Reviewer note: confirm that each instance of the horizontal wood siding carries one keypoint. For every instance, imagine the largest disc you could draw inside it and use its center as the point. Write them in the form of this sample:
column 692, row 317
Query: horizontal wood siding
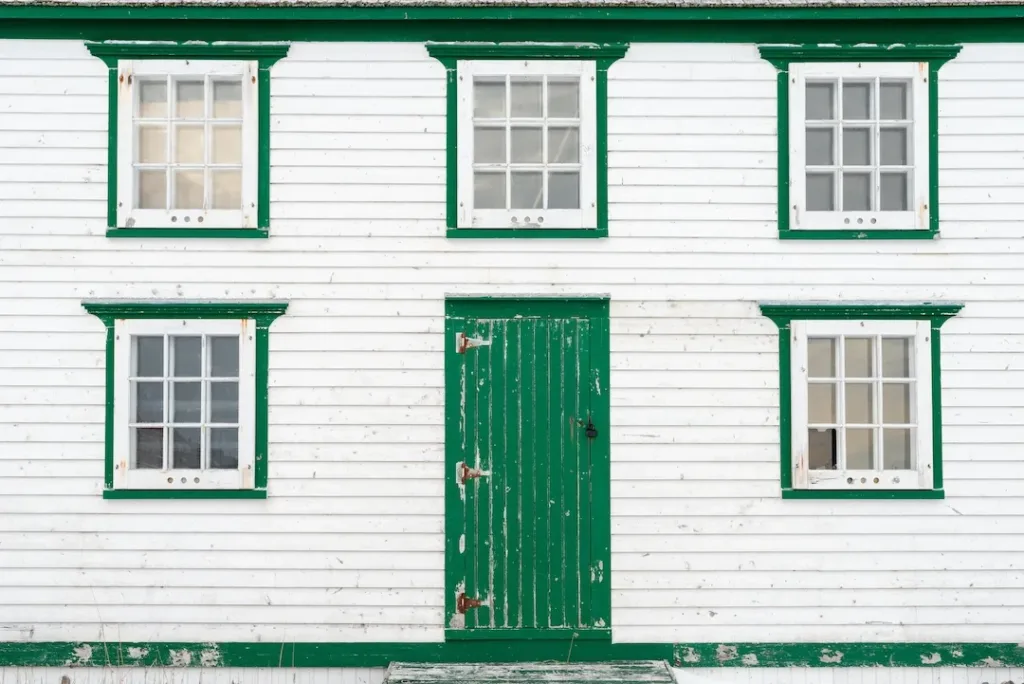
column 349, row 545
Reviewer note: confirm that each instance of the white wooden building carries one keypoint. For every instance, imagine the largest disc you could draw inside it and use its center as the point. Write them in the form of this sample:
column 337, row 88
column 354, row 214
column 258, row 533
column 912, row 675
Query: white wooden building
column 335, row 335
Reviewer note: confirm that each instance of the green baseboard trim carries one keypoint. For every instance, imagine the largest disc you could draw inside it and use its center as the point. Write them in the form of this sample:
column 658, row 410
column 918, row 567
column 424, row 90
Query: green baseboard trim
column 278, row 654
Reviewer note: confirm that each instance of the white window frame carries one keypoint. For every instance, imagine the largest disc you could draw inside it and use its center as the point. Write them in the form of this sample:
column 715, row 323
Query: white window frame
column 917, row 217
column 583, row 218
column 921, row 407
column 127, row 477
column 128, row 215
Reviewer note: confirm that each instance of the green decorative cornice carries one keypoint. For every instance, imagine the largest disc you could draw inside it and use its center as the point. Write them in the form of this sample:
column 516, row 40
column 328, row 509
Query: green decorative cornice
column 109, row 310
column 454, row 51
column 782, row 55
column 267, row 54
column 784, row 312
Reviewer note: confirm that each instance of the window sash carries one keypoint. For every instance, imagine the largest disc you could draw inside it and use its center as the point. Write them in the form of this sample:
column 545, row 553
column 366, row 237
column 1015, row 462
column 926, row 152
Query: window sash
column 917, row 216
column 586, row 215
column 128, row 215
column 921, row 403
column 127, row 477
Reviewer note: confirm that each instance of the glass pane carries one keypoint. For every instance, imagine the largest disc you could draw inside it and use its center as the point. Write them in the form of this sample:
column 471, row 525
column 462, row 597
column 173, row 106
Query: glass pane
column 819, row 101
column 821, row 357
column 187, row 402
column 149, row 357
column 856, row 192
column 895, row 403
column 859, row 351
column 152, row 99
column 527, row 190
column 186, row 449
column 856, row 146
column 227, row 145
column 149, row 448
column 564, row 145
column 894, row 147
column 896, row 449
column 227, row 189
column 489, row 145
column 227, row 99
column 564, row 191
column 188, row 190
column 527, row 98
column 224, row 402
column 224, row 448
column 894, row 100
column 896, row 357
column 895, row 195
column 821, row 403
column 189, row 103
column 563, row 100
column 488, row 99
column 860, row 449
column 223, row 357
column 188, row 141
column 188, row 354
column 859, row 403
column 820, row 147
column 152, row 189
column 527, row 145
column 489, row 190
column 152, row 145
column 149, row 402
column 821, row 191
column 857, row 101
column 821, row 448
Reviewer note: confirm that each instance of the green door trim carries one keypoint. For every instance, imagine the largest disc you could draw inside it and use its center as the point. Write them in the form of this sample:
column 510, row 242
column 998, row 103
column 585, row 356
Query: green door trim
column 596, row 310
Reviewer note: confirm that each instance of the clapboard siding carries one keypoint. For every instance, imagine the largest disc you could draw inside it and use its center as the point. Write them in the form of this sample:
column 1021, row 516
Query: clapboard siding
column 349, row 546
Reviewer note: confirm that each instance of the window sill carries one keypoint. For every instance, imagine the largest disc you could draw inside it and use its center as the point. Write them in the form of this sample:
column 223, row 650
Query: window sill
column 512, row 636
column 863, row 494
column 528, row 233
column 184, row 494
column 206, row 233
column 807, row 234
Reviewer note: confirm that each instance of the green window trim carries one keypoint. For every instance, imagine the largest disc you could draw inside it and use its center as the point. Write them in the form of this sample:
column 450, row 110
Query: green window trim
column 781, row 56
column 604, row 55
column 784, row 313
column 266, row 55
column 264, row 313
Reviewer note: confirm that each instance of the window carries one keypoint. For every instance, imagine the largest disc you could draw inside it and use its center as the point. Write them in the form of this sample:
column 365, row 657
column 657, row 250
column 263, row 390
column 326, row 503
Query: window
column 861, row 381
column 856, row 158
column 186, row 398
column 189, row 129
column 529, row 155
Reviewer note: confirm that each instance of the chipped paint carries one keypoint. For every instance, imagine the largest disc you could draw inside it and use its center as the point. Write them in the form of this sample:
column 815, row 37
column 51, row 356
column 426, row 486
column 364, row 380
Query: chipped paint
column 725, row 653
column 931, row 659
column 83, row 655
column 137, row 653
column 749, row 659
column 180, row 658
column 210, row 657
column 831, row 656
column 689, row 655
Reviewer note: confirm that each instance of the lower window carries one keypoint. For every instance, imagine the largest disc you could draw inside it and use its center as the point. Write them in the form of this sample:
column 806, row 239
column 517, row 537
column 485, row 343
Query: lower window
column 862, row 404
column 185, row 406
column 186, row 398
column 860, row 409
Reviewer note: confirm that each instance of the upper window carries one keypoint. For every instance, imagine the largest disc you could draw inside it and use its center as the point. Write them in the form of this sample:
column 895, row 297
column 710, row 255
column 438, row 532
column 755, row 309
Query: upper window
column 527, row 145
column 528, row 155
column 186, row 398
column 190, row 128
column 187, row 139
column 858, row 155
column 860, row 149
column 860, row 411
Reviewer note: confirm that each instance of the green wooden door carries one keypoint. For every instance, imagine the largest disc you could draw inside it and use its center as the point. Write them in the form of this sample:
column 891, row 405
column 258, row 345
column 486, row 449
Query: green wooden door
column 527, row 452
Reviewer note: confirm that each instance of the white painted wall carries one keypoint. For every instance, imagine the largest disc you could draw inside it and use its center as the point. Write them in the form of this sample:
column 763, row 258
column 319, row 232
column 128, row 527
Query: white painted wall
column 349, row 545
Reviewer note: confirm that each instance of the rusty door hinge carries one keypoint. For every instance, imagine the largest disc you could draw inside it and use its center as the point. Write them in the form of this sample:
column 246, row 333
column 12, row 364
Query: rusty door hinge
column 464, row 603
column 464, row 342
column 467, row 473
